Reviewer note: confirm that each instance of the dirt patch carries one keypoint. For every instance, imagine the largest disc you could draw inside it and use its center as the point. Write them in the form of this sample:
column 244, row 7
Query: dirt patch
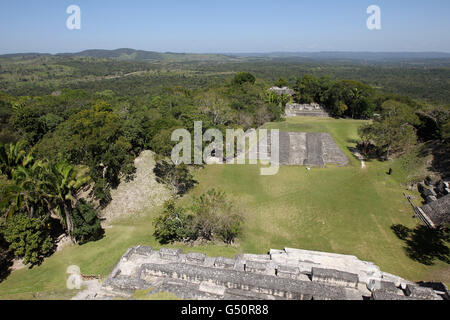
column 17, row 265
column 136, row 196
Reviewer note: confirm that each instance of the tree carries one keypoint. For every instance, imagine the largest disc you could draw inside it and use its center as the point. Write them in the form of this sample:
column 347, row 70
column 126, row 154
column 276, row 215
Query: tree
column 307, row 89
column 281, row 83
column 216, row 108
column 6, row 255
column 13, row 155
column 29, row 238
column 243, row 77
column 214, row 215
column 93, row 137
column 394, row 130
column 27, row 120
column 86, row 224
column 31, row 190
column 211, row 216
column 66, row 181
column 178, row 178
column 173, row 224
column 432, row 122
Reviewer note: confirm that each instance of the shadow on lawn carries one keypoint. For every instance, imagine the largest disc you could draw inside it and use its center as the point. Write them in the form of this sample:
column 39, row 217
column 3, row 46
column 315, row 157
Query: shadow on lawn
column 6, row 260
column 424, row 245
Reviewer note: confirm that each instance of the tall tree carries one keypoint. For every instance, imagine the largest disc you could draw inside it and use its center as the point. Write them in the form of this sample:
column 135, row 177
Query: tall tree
column 66, row 182
column 13, row 155
column 394, row 130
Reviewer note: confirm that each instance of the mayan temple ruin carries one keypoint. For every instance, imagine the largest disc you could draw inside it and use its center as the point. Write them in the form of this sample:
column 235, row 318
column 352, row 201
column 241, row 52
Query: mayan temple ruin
column 314, row 149
column 289, row 274
column 299, row 110
column 305, row 110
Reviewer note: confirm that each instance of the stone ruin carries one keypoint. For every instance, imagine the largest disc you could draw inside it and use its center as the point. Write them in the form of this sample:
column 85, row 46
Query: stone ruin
column 289, row 274
column 306, row 149
column 305, row 110
column 285, row 90
column 431, row 192
column 436, row 211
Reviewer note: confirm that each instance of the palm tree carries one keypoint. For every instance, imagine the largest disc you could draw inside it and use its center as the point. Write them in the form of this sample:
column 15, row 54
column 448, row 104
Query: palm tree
column 31, row 189
column 13, row 155
column 66, row 182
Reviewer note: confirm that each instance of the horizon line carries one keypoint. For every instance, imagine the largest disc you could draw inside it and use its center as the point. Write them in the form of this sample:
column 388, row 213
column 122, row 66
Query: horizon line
column 231, row 52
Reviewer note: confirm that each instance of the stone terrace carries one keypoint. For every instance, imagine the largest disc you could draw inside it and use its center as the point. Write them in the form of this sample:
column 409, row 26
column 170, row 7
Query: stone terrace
column 290, row 274
column 306, row 149
column 305, row 110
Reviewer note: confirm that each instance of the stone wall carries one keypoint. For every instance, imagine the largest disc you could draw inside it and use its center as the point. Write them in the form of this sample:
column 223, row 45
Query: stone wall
column 291, row 274
column 305, row 110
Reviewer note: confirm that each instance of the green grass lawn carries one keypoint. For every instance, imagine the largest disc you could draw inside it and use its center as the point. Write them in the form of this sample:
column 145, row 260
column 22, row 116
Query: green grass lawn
column 346, row 210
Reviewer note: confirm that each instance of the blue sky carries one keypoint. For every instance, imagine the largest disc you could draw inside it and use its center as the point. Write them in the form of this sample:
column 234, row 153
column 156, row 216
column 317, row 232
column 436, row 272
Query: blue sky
column 225, row 26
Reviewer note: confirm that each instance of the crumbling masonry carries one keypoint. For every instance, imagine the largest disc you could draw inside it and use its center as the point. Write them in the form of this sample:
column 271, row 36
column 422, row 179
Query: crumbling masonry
column 282, row 274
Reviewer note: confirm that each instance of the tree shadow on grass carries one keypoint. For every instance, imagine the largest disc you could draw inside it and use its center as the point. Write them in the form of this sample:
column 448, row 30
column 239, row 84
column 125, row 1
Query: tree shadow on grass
column 6, row 259
column 423, row 244
column 5, row 266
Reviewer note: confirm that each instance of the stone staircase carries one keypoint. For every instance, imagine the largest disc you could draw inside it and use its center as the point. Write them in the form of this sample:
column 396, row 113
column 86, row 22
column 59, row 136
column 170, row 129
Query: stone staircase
column 305, row 110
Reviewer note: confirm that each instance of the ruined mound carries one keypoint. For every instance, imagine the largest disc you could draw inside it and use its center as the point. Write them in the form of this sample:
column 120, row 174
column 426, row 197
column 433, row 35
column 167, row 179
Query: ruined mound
column 143, row 193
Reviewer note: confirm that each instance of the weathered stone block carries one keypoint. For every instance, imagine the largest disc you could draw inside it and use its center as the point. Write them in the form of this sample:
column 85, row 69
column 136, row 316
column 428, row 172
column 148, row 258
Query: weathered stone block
column 255, row 257
column 170, row 254
column 382, row 285
column 287, row 272
column 197, row 258
column 421, row 292
column 224, row 263
column 143, row 250
column 255, row 266
column 335, row 277
column 387, row 295
column 128, row 254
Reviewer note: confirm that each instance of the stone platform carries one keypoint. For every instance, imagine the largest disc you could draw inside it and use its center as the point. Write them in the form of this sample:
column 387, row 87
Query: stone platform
column 290, row 274
column 305, row 110
column 306, row 149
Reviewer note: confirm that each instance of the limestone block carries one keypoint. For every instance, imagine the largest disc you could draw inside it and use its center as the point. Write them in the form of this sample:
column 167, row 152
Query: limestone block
column 197, row 258
column 255, row 266
column 386, row 295
column 169, row 254
column 335, row 277
column 382, row 285
column 421, row 292
column 224, row 263
column 143, row 250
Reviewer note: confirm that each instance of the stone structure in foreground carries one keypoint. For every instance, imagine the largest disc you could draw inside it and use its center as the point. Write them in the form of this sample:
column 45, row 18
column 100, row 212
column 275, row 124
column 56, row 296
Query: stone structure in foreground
column 282, row 274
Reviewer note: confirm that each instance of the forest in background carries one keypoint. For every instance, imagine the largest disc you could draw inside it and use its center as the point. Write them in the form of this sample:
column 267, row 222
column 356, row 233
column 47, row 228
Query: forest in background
column 419, row 76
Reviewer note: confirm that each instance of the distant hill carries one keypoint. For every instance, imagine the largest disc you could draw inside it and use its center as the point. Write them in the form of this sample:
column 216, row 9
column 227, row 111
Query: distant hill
column 127, row 54
column 141, row 55
column 342, row 55
column 24, row 55
column 124, row 54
